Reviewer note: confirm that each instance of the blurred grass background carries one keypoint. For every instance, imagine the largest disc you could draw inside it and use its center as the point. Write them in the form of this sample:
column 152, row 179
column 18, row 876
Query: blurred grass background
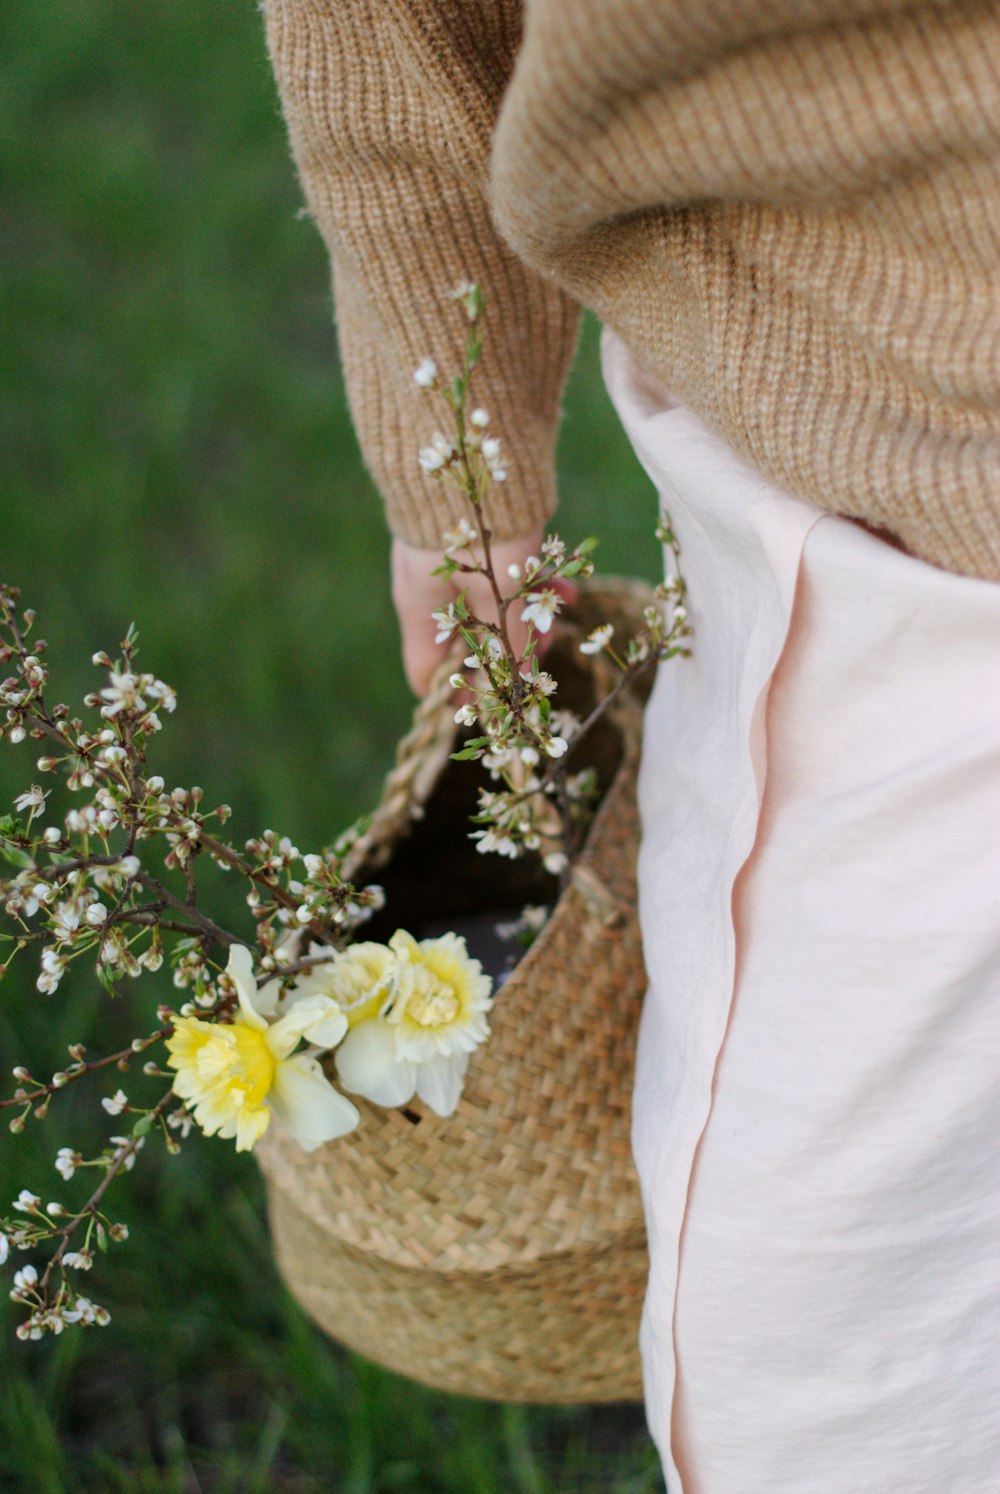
column 176, row 451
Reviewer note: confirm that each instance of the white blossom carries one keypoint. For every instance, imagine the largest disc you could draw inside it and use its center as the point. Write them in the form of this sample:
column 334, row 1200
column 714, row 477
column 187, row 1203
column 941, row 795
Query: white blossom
column 53, row 969
column 78, row 1260
column 116, row 1103
column 164, row 694
column 121, row 695
column 123, row 1154
column 597, row 640
column 437, row 454
column 541, row 609
column 66, row 920
column 493, row 458
column 24, row 1281
column 425, row 373
column 32, row 800
column 26, row 1201
column 460, row 537
column 447, row 621
column 67, row 1161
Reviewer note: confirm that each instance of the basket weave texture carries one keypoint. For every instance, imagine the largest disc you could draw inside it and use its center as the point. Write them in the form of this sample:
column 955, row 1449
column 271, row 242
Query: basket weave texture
column 499, row 1252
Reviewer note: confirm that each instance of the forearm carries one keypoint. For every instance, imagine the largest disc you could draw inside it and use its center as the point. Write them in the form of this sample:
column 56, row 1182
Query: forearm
column 390, row 110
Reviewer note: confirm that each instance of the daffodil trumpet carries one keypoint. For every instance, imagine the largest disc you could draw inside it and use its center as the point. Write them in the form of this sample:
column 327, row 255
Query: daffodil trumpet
column 235, row 1075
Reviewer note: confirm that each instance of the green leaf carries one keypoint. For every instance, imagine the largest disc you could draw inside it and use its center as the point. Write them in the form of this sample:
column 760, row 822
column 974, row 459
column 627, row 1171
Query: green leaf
column 466, row 754
column 106, row 979
column 14, row 857
column 143, row 1126
column 9, row 825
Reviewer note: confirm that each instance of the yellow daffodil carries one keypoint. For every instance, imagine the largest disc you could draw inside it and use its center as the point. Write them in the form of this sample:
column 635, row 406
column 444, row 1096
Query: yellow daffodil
column 420, row 1041
column 234, row 1075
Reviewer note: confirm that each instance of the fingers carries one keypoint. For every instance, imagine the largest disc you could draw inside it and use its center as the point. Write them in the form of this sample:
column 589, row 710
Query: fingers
column 416, row 592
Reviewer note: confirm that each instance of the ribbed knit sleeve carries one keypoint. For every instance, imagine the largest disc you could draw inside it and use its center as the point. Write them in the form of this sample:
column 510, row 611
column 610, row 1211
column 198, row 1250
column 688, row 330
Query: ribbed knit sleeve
column 390, row 110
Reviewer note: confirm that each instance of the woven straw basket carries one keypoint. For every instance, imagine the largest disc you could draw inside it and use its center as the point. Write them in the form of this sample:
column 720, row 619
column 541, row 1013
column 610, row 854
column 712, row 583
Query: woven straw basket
column 499, row 1252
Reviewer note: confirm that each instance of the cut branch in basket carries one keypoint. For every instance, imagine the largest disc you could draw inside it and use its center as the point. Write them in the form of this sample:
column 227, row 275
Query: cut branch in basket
column 107, row 877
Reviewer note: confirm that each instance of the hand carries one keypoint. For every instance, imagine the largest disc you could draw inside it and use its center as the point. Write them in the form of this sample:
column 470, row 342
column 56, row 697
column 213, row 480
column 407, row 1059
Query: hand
column 416, row 593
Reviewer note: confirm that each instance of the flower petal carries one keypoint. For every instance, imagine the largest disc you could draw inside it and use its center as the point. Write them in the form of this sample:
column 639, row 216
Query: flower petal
column 307, row 1104
column 440, row 1080
column 317, row 1018
column 252, row 1002
column 368, row 1064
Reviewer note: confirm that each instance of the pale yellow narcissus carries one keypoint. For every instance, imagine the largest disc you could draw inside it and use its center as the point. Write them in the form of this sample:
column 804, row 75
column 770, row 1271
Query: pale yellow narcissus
column 235, row 1075
column 433, row 1018
column 358, row 979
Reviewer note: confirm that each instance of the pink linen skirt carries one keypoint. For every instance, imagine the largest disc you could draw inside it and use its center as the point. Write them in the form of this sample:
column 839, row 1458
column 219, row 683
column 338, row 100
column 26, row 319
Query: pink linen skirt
column 817, row 1103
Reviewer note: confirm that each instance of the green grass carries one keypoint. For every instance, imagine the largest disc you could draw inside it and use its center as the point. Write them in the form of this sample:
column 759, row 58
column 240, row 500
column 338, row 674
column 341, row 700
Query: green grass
column 177, row 452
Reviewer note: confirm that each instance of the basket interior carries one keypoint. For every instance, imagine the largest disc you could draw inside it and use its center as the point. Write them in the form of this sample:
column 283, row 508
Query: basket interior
column 436, row 880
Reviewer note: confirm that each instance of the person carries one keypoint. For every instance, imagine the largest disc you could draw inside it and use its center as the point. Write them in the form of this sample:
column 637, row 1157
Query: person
column 787, row 215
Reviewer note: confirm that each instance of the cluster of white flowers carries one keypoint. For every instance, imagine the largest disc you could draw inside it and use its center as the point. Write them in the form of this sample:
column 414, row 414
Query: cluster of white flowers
column 130, row 692
column 439, row 455
column 53, row 1317
column 393, row 1022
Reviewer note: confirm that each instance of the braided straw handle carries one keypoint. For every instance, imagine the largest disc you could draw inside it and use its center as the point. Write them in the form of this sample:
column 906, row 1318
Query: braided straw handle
column 420, row 756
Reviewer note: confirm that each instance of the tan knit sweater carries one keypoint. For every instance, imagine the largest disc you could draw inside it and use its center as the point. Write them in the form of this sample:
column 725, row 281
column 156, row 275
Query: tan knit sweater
column 789, row 209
